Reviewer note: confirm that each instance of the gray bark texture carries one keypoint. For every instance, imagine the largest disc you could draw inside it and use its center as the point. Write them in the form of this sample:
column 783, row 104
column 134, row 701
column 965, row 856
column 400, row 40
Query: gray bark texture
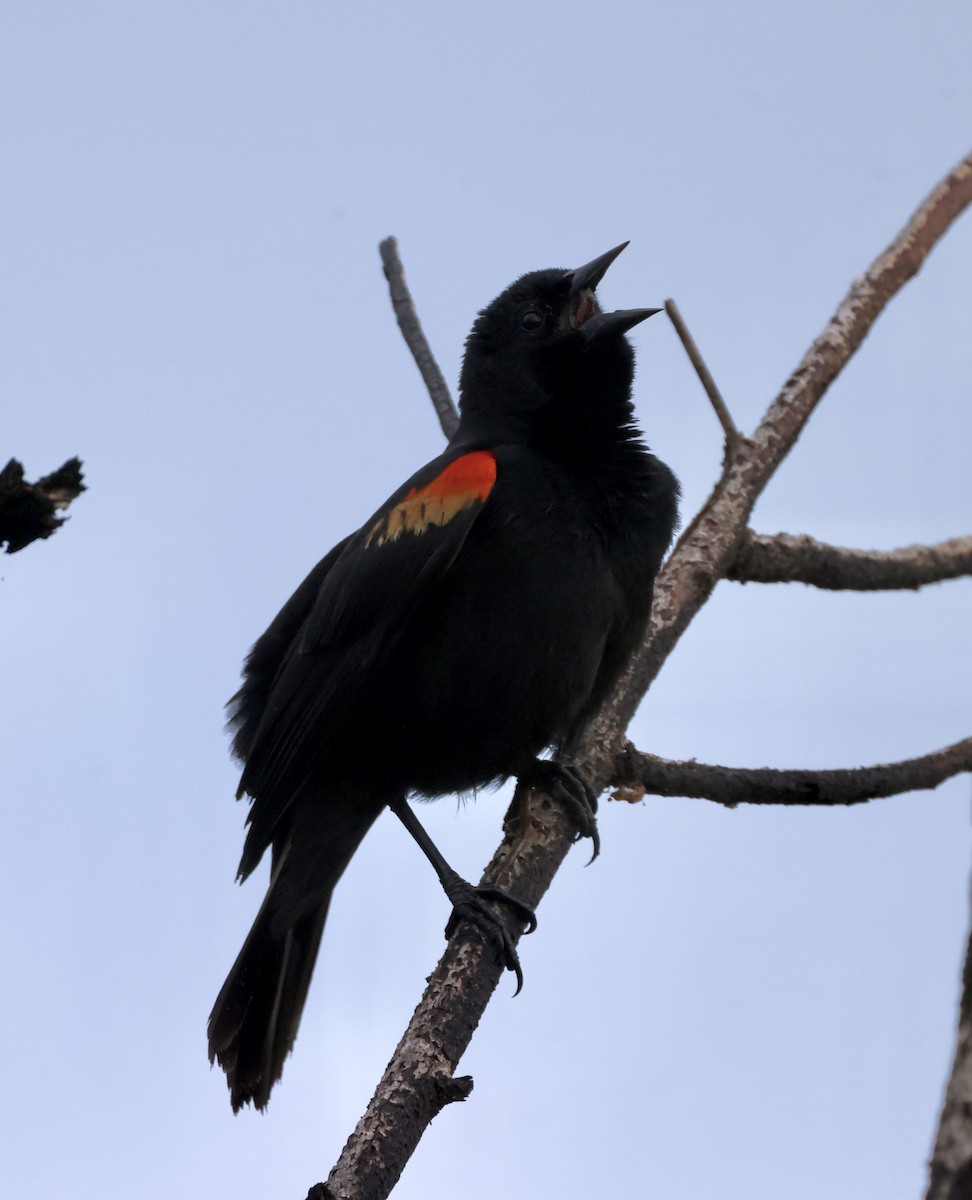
column 951, row 1165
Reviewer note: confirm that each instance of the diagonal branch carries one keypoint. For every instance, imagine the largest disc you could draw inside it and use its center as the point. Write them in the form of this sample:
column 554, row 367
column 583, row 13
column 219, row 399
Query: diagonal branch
column 415, row 339
column 637, row 773
column 950, row 1169
column 711, row 541
column 732, row 434
column 419, row 1081
column 416, row 1085
column 784, row 558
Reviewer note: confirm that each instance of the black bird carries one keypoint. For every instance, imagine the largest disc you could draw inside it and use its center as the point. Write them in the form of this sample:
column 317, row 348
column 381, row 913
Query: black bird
column 475, row 621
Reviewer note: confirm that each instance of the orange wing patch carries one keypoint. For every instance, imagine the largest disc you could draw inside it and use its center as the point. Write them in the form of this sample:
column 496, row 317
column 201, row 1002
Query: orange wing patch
column 465, row 482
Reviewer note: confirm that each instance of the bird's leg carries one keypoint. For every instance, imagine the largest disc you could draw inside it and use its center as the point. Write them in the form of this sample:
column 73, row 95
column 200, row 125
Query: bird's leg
column 469, row 903
column 571, row 789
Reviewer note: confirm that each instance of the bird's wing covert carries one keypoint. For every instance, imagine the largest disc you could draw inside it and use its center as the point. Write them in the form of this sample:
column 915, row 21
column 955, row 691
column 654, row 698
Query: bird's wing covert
column 464, row 484
column 401, row 550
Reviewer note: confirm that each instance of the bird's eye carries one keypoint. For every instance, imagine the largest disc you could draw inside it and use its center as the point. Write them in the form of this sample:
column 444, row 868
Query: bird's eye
column 532, row 321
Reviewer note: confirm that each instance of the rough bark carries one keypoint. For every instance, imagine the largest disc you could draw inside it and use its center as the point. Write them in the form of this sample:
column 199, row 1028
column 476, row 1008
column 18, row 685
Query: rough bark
column 950, row 1169
column 637, row 774
column 415, row 339
column 785, row 558
column 711, row 541
column 418, row 1082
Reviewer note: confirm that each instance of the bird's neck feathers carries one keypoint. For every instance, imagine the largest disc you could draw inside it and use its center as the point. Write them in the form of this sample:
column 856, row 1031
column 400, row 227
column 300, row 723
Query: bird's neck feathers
column 578, row 406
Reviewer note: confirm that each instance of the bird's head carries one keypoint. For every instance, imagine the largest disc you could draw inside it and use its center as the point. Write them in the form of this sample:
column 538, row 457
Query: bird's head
column 544, row 349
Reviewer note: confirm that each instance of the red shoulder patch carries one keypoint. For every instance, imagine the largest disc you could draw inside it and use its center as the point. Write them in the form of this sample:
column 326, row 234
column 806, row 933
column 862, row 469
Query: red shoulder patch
column 466, row 481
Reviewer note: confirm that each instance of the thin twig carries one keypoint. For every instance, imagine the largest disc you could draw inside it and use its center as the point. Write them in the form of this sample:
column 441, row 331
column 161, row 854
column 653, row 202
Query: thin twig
column 415, row 339
column 637, row 773
column 785, row 558
column 705, row 375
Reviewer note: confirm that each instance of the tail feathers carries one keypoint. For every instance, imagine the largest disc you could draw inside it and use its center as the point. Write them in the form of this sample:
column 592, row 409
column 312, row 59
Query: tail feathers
column 254, row 1021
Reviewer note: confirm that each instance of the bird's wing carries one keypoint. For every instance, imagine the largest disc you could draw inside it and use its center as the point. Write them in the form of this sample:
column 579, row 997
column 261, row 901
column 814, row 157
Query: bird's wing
column 343, row 620
column 269, row 654
column 408, row 544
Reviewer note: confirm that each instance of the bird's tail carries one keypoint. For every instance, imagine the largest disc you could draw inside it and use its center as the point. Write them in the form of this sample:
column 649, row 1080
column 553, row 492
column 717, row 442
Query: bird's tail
column 256, row 1015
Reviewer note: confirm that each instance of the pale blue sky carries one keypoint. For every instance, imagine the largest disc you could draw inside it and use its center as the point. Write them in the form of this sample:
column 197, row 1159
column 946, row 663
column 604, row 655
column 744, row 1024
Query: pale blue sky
column 751, row 1004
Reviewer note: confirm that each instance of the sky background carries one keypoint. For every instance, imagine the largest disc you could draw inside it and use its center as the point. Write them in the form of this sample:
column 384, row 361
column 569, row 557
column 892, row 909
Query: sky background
column 748, row 1004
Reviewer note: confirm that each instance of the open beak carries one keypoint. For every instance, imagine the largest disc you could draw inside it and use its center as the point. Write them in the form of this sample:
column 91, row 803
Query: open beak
column 582, row 307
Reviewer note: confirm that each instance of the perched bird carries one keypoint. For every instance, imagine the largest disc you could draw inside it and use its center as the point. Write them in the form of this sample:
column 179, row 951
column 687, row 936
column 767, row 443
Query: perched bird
column 477, row 620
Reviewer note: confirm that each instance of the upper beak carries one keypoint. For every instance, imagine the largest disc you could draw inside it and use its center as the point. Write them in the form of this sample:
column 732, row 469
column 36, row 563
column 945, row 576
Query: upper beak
column 582, row 307
column 587, row 278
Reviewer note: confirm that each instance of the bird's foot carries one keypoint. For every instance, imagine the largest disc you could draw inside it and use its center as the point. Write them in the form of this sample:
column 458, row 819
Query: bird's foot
column 572, row 790
column 469, row 903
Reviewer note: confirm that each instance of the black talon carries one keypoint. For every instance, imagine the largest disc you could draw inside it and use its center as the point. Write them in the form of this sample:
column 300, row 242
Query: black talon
column 469, row 903
column 573, row 791
column 523, row 912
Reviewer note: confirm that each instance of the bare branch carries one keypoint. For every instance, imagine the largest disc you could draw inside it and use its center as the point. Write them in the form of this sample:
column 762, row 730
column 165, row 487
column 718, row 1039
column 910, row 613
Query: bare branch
column 418, row 1081
column 784, row 558
column 415, row 339
column 705, row 375
column 950, row 1169
column 711, row 541
column 27, row 509
column 637, row 773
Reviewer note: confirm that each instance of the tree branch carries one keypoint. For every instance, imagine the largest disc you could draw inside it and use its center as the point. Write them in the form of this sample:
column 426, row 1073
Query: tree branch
column 27, row 509
column 527, row 860
column 705, row 376
column 415, row 339
column 711, row 541
column 783, row 558
column 950, row 1169
column 637, row 773
column 418, row 1082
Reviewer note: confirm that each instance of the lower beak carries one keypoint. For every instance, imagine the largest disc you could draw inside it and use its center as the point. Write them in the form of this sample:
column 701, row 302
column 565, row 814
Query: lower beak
column 613, row 324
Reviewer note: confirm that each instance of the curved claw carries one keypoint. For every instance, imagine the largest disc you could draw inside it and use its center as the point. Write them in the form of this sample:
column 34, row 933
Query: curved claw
column 469, row 903
column 573, row 791
column 523, row 911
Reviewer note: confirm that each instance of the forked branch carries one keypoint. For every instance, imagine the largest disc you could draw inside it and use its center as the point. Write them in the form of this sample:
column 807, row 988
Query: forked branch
column 711, row 541
column 419, row 1080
